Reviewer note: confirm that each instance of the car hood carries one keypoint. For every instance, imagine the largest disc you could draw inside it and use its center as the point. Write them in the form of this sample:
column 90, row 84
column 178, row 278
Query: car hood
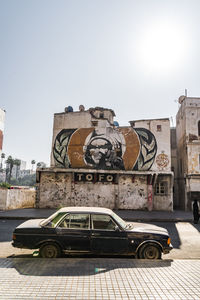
column 148, row 228
column 33, row 223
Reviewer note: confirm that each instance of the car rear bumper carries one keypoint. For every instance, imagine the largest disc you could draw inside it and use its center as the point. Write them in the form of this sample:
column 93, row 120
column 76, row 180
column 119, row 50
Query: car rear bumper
column 18, row 245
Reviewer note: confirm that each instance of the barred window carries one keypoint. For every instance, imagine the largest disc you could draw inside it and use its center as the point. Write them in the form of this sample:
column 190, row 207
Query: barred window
column 161, row 188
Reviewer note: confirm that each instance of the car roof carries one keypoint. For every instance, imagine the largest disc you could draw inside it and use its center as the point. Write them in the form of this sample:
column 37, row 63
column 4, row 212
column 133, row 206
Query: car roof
column 86, row 209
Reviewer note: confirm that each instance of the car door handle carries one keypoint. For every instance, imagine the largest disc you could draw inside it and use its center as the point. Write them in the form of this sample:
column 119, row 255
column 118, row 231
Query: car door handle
column 96, row 234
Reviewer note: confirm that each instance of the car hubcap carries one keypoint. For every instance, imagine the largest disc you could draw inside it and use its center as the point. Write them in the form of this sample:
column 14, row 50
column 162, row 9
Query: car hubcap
column 151, row 253
column 50, row 252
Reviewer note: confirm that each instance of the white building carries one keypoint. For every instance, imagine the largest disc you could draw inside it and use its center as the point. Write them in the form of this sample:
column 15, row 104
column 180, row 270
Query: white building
column 188, row 150
column 94, row 162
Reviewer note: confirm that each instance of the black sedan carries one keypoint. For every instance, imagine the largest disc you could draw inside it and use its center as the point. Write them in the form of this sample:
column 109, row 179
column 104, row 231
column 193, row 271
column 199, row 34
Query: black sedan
column 91, row 230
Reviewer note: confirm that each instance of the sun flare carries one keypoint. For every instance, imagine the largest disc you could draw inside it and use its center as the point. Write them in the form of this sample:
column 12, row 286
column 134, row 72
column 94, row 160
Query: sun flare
column 163, row 47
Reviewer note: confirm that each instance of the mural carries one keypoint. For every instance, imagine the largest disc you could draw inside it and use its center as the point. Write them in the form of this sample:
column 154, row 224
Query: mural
column 162, row 160
column 105, row 149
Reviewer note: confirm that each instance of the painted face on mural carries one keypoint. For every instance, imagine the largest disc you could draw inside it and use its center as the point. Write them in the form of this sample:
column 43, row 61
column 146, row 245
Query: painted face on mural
column 98, row 151
column 101, row 154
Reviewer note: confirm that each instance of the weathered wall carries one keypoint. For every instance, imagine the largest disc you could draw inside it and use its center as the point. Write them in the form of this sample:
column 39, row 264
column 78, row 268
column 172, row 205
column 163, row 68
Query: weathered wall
column 164, row 202
column 174, row 167
column 130, row 191
column 89, row 141
column 3, row 198
column 16, row 198
column 93, row 118
column 160, row 128
column 55, row 189
column 188, row 148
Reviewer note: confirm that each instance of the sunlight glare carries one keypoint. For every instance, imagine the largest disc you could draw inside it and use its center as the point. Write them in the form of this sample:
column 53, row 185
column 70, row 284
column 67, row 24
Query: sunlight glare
column 163, row 47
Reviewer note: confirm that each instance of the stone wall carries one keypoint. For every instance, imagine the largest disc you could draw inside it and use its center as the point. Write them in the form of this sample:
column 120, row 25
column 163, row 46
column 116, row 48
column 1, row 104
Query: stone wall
column 16, row 198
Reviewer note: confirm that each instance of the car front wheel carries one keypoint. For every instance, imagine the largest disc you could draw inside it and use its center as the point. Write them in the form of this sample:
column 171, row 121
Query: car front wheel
column 49, row 251
column 149, row 252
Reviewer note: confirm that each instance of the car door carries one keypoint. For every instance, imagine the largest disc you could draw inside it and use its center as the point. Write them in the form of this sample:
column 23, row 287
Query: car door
column 106, row 236
column 73, row 232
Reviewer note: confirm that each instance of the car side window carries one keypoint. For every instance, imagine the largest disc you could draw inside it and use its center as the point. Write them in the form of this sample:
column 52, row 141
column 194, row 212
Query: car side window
column 76, row 221
column 103, row 222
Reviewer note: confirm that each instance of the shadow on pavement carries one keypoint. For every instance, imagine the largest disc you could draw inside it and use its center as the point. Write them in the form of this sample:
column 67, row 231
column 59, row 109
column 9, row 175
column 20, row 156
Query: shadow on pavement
column 6, row 229
column 77, row 266
column 197, row 226
column 173, row 232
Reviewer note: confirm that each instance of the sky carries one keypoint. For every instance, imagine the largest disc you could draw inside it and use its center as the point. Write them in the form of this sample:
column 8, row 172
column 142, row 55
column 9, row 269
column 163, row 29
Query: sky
column 135, row 57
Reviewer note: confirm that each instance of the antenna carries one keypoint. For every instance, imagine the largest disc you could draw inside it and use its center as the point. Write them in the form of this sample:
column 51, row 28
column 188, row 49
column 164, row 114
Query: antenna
column 172, row 121
column 185, row 92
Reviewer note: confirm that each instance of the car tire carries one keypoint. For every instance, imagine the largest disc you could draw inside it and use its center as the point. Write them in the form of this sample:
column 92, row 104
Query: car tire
column 49, row 250
column 149, row 251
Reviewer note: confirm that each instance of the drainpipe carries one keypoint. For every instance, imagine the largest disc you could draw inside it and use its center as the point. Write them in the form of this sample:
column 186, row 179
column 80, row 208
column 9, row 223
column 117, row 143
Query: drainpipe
column 149, row 192
column 151, row 181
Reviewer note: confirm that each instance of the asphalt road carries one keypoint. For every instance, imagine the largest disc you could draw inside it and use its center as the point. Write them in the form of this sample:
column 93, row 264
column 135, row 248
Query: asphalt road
column 185, row 239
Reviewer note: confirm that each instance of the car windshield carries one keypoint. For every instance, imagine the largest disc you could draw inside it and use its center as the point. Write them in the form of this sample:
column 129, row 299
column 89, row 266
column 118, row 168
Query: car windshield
column 120, row 221
column 53, row 219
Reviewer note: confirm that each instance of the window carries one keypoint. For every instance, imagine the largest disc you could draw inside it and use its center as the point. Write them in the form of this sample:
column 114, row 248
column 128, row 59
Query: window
column 76, row 221
column 52, row 222
column 101, row 115
column 161, row 188
column 199, row 128
column 103, row 222
column 159, row 128
column 94, row 123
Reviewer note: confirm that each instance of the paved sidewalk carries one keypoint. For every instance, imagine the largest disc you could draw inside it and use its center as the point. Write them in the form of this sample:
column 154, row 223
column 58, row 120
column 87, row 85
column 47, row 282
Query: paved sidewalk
column 129, row 215
column 99, row 279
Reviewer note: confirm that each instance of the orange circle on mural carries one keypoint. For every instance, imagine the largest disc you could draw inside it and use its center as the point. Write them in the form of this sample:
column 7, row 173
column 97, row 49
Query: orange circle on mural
column 75, row 147
column 132, row 151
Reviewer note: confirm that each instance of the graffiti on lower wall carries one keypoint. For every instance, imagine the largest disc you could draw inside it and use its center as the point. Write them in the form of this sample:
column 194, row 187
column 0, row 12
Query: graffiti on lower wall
column 111, row 149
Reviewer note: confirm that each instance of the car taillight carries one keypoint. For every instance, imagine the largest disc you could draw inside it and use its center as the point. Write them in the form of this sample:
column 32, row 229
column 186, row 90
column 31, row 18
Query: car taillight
column 14, row 237
column 168, row 241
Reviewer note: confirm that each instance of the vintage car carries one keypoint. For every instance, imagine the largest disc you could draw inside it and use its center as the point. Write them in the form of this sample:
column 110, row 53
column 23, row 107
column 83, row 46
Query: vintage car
column 91, row 230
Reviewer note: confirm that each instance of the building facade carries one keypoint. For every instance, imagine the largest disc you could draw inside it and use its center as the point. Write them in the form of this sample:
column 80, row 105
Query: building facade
column 188, row 150
column 95, row 162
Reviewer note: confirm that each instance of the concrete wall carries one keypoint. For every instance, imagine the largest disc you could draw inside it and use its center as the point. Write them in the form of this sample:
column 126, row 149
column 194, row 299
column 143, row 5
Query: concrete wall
column 16, row 198
column 130, row 191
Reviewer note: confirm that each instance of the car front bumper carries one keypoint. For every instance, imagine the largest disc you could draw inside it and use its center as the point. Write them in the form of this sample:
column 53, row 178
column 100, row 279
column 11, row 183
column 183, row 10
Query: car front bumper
column 166, row 250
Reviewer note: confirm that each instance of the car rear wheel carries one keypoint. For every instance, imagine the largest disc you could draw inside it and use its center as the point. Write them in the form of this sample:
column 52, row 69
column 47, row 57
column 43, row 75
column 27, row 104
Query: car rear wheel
column 50, row 251
column 149, row 251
